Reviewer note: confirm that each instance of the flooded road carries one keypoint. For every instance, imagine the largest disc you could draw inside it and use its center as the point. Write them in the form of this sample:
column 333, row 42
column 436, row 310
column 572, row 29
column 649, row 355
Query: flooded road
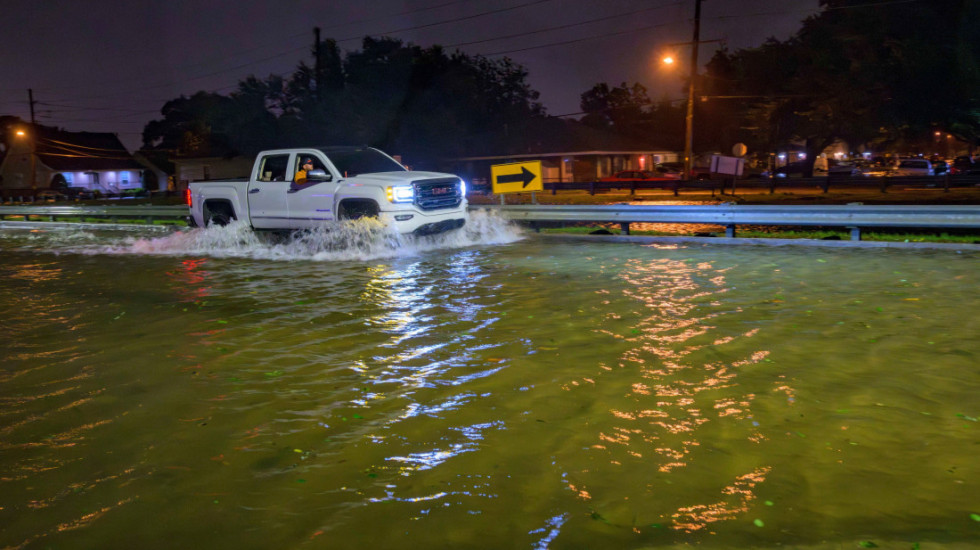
column 349, row 389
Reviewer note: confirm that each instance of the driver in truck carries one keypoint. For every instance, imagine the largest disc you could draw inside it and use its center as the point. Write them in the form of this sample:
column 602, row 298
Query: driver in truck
column 307, row 165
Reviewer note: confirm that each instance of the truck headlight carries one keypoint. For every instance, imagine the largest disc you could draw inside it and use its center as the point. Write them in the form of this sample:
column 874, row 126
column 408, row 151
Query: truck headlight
column 462, row 187
column 401, row 193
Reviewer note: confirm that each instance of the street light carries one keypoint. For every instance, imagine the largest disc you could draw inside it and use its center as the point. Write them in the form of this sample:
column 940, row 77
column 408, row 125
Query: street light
column 30, row 151
column 689, row 118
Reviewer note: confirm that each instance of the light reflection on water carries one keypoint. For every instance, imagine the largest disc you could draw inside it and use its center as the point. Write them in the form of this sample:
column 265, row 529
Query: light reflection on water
column 529, row 395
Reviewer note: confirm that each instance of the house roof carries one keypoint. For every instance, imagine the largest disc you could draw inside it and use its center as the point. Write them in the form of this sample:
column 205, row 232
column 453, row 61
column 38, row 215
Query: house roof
column 82, row 151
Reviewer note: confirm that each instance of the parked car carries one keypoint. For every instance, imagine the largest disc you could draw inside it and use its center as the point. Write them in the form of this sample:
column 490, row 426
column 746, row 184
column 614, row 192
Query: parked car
column 697, row 172
column 82, row 193
column 914, row 167
column 641, row 175
column 791, row 169
column 964, row 165
column 48, row 194
column 844, row 168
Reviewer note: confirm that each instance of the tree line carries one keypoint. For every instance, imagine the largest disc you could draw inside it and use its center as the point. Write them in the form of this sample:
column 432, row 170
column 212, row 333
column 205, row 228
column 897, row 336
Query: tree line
column 871, row 74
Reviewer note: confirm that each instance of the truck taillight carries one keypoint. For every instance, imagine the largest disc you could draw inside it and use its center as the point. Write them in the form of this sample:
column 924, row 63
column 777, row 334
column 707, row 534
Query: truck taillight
column 188, row 198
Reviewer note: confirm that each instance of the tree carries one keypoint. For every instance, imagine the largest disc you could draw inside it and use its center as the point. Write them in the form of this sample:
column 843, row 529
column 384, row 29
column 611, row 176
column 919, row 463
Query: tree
column 418, row 102
column 860, row 74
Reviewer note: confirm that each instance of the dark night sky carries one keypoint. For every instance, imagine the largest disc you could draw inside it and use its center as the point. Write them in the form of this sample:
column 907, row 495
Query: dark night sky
column 110, row 65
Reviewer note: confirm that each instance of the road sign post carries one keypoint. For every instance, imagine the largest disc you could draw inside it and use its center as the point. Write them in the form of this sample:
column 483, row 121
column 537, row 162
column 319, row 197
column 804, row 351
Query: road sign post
column 516, row 177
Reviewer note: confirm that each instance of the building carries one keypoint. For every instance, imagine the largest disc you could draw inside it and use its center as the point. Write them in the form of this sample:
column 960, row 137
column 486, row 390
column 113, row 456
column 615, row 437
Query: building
column 37, row 157
column 566, row 166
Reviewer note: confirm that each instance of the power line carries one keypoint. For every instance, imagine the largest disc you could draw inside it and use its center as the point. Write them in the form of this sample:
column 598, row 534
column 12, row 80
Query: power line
column 562, row 27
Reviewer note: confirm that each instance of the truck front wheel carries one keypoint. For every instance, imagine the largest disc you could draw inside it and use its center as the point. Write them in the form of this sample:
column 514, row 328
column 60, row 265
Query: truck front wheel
column 354, row 209
column 218, row 214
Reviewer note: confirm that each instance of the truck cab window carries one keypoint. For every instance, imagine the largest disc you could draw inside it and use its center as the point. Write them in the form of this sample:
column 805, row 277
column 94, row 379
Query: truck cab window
column 273, row 168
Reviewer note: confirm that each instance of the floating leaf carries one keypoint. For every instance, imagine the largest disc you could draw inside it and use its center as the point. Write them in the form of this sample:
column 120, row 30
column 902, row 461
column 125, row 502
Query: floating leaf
column 222, row 321
column 965, row 417
column 867, row 544
column 359, row 417
column 274, row 373
column 770, row 503
column 975, row 517
column 759, row 523
column 297, row 450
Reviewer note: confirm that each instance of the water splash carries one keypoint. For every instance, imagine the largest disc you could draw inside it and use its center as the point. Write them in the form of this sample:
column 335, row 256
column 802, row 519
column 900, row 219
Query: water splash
column 362, row 239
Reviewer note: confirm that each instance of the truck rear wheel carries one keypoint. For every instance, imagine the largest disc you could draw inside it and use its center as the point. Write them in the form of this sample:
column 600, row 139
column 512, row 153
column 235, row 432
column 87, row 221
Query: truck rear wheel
column 355, row 209
column 218, row 214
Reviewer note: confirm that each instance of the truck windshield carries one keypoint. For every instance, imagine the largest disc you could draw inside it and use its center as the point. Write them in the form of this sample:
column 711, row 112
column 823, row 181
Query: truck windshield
column 351, row 162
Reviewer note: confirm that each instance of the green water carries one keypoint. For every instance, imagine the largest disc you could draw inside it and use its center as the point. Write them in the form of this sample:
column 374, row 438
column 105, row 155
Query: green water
column 530, row 394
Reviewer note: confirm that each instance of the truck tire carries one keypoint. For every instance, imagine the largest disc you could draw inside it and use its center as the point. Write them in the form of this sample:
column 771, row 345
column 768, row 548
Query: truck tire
column 353, row 209
column 218, row 214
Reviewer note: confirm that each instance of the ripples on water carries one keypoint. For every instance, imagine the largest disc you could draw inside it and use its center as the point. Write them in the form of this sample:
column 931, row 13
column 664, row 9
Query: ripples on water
column 210, row 389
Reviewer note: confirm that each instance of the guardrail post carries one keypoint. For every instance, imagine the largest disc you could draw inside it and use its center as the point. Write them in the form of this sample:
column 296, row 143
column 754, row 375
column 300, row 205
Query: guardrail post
column 592, row 188
column 855, row 233
column 884, row 184
column 946, row 182
column 632, row 188
column 624, row 228
column 730, row 231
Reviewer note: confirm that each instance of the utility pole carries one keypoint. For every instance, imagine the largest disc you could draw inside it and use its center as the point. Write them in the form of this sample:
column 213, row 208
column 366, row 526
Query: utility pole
column 32, row 143
column 689, row 119
column 317, row 68
column 30, row 99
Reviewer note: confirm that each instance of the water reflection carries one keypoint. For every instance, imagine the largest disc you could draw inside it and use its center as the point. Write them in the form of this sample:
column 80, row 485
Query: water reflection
column 687, row 361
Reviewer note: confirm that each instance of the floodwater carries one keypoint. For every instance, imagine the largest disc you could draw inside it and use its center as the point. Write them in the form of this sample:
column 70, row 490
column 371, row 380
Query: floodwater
column 346, row 390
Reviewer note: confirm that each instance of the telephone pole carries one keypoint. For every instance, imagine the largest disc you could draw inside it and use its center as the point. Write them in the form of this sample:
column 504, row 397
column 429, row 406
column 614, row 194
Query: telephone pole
column 32, row 143
column 689, row 119
column 30, row 99
column 317, row 68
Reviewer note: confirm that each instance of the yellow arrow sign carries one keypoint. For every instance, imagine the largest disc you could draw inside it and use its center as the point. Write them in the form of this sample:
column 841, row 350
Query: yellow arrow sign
column 517, row 177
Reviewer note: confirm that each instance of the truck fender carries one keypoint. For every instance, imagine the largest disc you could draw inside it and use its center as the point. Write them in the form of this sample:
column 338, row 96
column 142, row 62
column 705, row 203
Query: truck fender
column 223, row 204
column 359, row 201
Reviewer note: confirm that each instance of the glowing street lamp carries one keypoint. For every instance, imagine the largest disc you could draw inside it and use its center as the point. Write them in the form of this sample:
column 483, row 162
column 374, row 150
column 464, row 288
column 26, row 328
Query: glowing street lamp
column 689, row 118
column 22, row 134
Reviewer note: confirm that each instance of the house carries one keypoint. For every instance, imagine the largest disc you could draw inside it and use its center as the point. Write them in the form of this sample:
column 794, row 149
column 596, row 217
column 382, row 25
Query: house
column 39, row 157
column 188, row 169
column 566, row 166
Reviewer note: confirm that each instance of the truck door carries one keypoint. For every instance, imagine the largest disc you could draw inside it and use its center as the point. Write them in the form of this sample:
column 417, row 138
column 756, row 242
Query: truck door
column 267, row 192
column 310, row 202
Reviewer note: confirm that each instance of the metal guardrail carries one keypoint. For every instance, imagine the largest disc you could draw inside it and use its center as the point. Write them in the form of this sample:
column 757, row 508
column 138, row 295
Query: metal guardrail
column 111, row 213
column 824, row 183
column 853, row 217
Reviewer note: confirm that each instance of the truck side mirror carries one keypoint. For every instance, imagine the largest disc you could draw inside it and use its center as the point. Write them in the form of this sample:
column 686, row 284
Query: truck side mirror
column 318, row 175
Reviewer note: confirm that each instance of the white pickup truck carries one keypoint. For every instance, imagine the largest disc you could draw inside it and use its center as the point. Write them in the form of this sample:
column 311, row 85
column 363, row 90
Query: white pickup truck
column 344, row 183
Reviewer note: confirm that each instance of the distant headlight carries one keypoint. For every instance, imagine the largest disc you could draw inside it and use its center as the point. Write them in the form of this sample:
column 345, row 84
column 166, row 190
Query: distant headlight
column 401, row 193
